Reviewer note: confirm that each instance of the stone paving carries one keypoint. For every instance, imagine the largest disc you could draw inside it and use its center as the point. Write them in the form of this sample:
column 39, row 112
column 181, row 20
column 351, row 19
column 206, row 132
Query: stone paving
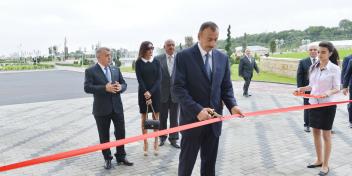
column 263, row 145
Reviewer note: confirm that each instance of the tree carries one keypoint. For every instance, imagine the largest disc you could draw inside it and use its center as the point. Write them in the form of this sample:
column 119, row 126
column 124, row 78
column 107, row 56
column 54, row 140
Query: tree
column 244, row 42
column 228, row 42
column 272, row 46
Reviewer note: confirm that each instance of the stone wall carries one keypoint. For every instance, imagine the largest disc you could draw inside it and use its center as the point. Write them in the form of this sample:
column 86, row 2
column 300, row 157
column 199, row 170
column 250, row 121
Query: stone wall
column 282, row 66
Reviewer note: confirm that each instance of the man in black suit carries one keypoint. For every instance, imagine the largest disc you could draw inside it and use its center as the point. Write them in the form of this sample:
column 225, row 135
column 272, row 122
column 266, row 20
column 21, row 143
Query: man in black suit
column 201, row 83
column 245, row 70
column 347, row 83
column 303, row 78
column 106, row 84
column 167, row 101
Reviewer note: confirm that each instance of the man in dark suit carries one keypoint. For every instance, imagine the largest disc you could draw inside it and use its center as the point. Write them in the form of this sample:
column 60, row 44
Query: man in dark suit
column 303, row 78
column 347, row 82
column 201, row 82
column 106, row 84
column 167, row 101
column 245, row 70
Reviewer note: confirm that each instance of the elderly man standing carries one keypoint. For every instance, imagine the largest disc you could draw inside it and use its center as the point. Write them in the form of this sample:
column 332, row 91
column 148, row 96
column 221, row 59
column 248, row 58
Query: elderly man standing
column 168, row 100
column 245, row 70
column 106, row 84
column 303, row 78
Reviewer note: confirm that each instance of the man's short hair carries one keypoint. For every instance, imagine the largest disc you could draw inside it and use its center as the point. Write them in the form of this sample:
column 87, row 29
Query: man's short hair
column 100, row 50
column 208, row 24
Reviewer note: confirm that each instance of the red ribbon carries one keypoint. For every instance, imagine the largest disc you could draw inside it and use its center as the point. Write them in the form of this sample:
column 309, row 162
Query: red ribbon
column 90, row 149
column 309, row 95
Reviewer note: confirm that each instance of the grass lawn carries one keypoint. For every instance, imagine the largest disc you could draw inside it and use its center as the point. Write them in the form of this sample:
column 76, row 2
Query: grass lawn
column 263, row 76
column 127, row 69
column 300, row 55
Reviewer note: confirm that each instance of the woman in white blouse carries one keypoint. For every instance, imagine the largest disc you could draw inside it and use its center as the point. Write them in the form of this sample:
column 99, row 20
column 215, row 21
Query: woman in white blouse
column 324, row 81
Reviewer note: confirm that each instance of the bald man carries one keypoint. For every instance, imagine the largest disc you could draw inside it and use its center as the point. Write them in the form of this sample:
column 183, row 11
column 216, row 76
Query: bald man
column 168, row 105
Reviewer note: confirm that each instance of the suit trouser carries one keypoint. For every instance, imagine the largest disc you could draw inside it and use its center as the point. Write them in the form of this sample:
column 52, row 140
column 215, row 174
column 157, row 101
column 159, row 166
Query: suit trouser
column 103, row 124
column 170, row 109
column 306, row 112
column 247, row 81
column 349, row 106
column 208, row 144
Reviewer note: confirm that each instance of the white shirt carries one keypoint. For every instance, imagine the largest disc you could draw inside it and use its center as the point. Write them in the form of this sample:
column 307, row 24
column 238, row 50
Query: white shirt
column 103, row 68
column 324, row 80
column 311, row 59
column 170, row 63
column 249, row 58
column 203, row 53
column 145, row 60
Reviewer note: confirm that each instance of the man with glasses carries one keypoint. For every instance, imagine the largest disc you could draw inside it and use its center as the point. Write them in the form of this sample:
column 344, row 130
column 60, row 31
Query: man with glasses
column 303, row 78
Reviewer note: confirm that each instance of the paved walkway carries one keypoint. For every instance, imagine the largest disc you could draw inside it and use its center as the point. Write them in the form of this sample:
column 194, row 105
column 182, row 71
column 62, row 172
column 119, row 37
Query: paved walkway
column 263, row 145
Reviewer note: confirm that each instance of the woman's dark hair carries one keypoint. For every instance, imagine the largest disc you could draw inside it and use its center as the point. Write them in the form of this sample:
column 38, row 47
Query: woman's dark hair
column 334, row 54
column 145, row 46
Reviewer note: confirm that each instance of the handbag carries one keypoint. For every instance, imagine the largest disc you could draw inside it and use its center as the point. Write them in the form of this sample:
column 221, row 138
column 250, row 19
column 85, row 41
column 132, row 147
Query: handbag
column 150, row 123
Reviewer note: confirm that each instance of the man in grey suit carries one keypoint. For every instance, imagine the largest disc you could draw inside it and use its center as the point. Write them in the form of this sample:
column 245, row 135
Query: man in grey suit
column 168, row 103
column 245, row 70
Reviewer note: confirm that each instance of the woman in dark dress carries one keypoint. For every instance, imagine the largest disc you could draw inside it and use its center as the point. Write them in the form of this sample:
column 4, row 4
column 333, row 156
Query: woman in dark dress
column 148, row 72
column 324, row 81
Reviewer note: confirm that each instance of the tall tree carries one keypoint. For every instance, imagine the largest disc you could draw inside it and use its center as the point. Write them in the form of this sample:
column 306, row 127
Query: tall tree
column 244, row 42
column 228, row 42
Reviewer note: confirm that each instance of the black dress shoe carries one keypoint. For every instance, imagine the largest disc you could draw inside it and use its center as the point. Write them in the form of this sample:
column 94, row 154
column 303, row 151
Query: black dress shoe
column 307, row 129
column 321, row 173
column 124, row 162
column 174, row 144
column 314, row 165
column 162, row 142
column 107, row 164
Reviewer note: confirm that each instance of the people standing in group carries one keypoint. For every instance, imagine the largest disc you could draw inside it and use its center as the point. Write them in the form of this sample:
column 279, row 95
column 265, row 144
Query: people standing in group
column 148, row 72
column 303, row 78
column 324, row 81
column 168, row 104
column 201, row 83
column 347, row 83
column 106, row 83
column 245, row 70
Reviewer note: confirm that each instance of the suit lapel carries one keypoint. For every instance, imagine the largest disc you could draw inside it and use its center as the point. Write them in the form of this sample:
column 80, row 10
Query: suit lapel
column 214, row 65
column 164, row 64
column 199, row 60
column 114, row 74
column 100, row 73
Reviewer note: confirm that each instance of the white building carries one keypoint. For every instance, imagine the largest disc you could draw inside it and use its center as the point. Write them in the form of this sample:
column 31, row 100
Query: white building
column 259, row 50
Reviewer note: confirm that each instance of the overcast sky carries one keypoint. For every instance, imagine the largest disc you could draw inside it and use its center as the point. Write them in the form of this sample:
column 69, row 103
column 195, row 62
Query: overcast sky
column 37, row 24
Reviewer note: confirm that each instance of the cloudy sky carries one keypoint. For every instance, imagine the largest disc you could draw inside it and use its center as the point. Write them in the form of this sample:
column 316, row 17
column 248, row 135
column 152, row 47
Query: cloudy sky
column 29, row 25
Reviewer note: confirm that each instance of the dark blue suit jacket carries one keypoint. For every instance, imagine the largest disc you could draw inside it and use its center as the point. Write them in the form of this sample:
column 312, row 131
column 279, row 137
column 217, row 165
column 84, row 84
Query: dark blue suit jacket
column 104, row 102
column 346, row 72
column 194, row 91
column 303, row 72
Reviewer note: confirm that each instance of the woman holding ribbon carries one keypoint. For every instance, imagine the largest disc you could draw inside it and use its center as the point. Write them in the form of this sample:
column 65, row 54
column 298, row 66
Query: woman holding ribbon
column 324, row 82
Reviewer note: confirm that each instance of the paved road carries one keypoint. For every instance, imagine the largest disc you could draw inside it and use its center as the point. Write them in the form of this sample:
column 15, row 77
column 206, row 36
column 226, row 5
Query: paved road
column 263, row 145
column 29, row 87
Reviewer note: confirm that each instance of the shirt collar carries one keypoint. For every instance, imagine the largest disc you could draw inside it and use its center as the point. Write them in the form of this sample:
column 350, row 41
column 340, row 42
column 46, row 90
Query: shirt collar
column 167, row 55
column 203, row 52
column 327, row 67
column 102, row 66
column 311, row 59
column 145, row 60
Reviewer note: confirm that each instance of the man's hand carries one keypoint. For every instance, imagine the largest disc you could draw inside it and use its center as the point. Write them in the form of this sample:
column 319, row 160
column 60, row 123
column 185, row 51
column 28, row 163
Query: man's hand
column 118, row 86
column 112, row 88
column 345, row 91
column 204, row 114
column 147, row 95
column 236, row 110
